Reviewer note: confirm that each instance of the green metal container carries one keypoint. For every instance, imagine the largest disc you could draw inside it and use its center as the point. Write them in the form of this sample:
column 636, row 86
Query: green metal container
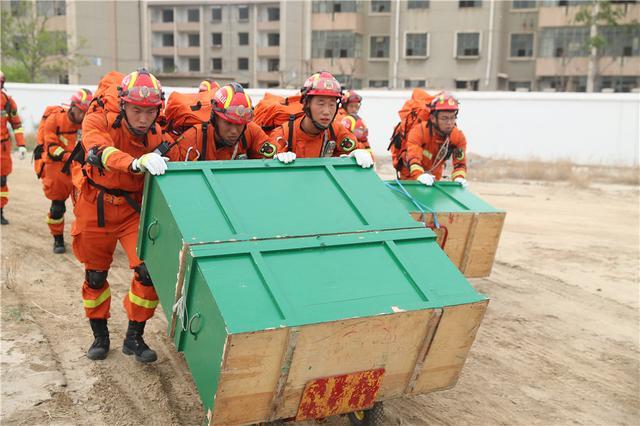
column 277, row 275
column 468, row 228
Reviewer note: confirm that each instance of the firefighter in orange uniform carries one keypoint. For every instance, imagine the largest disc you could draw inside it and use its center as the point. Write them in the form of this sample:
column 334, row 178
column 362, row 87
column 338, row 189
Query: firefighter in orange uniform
column 349, row 105
column 208, row 85
column 316, row 134
column 60, row 133
column 356, row 125
column 229, row 134
column 120, row 147
column 430, row 145
column 9, row 115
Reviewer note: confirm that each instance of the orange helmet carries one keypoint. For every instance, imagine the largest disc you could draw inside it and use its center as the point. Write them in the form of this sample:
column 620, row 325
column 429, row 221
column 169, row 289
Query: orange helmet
column 232, row 104
column 322, row 84
column 81, row 99
column 208, row 84
column 356, row 126
column 141, row 88
column 444, row 102
column 351, row 96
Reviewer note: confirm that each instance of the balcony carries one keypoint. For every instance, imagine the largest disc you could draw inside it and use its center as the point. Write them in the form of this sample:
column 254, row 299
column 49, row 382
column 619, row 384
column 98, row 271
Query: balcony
column 271, row 51
column 338, row 22
column 162, row 51
column 628, row 65
column 162, row 26
column 268, row 25
column 57, row 23
column 268, row 76
column 189, row 26
column 189, row 51
column 564, row 16
column 351, row 66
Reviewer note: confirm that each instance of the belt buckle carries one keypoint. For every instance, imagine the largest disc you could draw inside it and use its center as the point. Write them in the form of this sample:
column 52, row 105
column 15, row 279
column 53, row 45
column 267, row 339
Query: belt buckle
column 112, row 199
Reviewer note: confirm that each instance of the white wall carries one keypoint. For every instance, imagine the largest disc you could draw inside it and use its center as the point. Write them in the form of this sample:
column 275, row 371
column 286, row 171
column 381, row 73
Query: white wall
column 599, row 128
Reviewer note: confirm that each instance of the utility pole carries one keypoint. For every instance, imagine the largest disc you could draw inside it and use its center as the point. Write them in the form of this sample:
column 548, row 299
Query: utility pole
column 593, row 54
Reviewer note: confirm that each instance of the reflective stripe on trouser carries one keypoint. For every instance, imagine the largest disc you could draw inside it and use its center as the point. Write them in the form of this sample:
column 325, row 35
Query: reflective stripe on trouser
column 4, row 195
column 141, row 301
column 96, row 301
column 56, row 226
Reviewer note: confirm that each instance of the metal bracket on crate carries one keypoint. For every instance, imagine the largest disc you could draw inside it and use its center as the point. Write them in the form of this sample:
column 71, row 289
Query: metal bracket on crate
column 432, row 327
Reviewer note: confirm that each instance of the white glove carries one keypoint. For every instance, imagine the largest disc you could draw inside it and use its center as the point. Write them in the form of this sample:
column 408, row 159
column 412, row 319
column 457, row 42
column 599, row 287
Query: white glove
column 151, row 162
column 22, row 151
column 363, row 158
column 427, row 179
column 286, row 157
column 461, row 181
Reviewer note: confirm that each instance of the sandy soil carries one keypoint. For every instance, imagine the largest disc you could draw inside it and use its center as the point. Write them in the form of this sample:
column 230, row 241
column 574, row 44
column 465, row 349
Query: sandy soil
column 559, row 344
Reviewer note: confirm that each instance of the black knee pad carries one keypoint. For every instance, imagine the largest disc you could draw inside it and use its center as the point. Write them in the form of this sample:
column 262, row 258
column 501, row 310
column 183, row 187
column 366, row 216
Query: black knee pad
column 57, row 209
column 3, row 181
column 142, row 275
column 96, row 279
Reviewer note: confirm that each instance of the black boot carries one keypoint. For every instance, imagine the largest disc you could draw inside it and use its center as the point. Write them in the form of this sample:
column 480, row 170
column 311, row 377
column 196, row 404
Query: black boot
column 3, row 221
column 100, row 345
column 58, row 244
column 134, row 344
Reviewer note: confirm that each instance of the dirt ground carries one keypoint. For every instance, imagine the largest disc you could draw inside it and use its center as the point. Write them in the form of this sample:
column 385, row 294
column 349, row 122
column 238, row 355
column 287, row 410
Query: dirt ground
column 559, row 344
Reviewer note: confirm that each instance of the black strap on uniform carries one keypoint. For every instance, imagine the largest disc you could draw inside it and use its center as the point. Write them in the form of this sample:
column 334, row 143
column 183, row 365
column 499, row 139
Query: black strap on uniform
column 116, row 193
column 76, row 155
column 205, row 129
column 243, row 138
column 292, row 118
column 332, row 133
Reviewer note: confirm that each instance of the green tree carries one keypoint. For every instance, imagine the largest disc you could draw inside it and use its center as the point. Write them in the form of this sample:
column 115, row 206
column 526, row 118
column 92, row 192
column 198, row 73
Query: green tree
column 29, row 50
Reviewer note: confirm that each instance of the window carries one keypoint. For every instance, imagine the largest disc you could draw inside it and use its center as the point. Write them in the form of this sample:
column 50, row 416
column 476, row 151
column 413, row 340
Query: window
column 243, row 63
column 216, row 39
column 194, row 40
column 521, row 45
column 272, row 84
column 379, row 84
column 51, row 8
column 216, row 14
column 620, row 83
column 563, row 42
column 524, row 4
column 273, row 64
column 469, row 3
column 216, row 64
column 18, row 8
column 410, row 84
column 336, row 44
column 417, row 4
column 243, row 13
column 467, row 84
column 194, row 64
column 563, row 84
column 380, row 6
column 521, row 86
column 273, row 39
column 622, row 40
column 167, row 15
column 379, row 47
column 273, row 14
column 63, row 79
column 415, row 45
column 193, row 15
column 168, row 65
column 167, row 40
column 468, row 44
column 335, row 6
column 243, row 39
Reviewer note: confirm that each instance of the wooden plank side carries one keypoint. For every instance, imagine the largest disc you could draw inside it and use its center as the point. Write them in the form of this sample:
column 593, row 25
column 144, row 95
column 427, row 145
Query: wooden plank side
column 391, row 342
column 249, row 377
column 450, row 347
column 485, row 244
column 457, row 225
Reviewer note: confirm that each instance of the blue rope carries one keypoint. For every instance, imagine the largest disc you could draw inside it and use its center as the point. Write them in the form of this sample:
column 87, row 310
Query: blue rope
column 423, row 209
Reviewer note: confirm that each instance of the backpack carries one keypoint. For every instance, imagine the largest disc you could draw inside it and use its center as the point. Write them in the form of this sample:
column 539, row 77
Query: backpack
column 106, row 97
column 273, row 111
column 38, row 150
column 414, row 111
column 184, row 110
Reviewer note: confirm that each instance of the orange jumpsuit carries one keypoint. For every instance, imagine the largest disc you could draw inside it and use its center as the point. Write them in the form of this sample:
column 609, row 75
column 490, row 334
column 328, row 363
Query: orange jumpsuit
column 253, row 144
column 107, row 211
column 329, row 143
column 59, row 136
column 8, row 115
column 426, row 154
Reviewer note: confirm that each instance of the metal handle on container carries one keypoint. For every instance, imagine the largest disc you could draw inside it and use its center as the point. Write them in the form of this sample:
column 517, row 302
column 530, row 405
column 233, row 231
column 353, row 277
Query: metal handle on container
column 151, row 235
column 195, row 318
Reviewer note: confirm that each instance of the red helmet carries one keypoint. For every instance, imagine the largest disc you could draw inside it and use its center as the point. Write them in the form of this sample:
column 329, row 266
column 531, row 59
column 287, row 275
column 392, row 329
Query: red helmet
column 356, row 126
column 232, row 104
column 81, row 99
column 444, row 102
column 322, row 84
column 350, row 96
column 208, row 84
column 141, row 88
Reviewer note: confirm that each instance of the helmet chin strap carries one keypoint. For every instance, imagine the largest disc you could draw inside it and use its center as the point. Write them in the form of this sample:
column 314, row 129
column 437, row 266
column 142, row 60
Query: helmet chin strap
column 218, row 139
column 307, row 112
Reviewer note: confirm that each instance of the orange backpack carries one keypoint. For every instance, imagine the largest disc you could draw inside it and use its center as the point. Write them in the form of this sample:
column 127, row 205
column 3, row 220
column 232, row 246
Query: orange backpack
column 106, row 97
column 184, row 110
column 38, row 150
column 273, row 111
column 414, row 111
